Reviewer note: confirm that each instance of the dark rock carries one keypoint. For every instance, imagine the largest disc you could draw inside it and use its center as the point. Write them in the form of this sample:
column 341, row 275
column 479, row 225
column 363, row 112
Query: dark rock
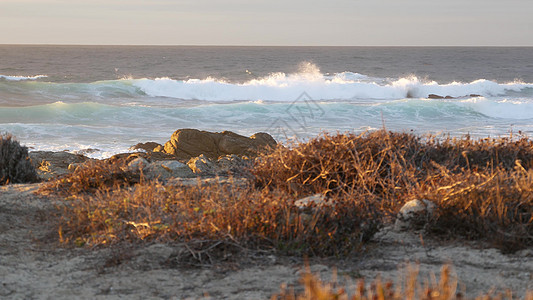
column 189, row 143
column 148, row 146
column 433, row 96
column 86, row 151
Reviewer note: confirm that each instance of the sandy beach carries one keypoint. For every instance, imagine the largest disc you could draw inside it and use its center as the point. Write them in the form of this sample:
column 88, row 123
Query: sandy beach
column 33, row 265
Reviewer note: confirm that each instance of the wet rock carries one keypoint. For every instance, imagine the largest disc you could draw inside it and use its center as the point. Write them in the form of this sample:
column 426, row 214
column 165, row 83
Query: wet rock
column 148, row 147
column 189, row 143
column 434, row 96
column 86, row 151
column 414, row 215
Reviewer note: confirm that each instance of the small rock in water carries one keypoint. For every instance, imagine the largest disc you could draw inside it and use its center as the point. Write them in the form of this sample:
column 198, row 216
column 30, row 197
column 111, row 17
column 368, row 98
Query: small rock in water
column 148, row 146
column 414, row 214
column 86, row 151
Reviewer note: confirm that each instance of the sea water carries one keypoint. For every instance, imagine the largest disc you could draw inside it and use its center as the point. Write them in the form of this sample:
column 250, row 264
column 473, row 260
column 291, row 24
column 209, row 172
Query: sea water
column 112, row 97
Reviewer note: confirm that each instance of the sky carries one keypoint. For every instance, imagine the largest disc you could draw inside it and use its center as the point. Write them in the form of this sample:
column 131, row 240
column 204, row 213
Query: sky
column 268, row 22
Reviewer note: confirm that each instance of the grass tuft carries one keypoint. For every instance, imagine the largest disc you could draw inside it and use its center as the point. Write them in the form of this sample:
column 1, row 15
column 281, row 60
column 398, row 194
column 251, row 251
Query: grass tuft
column 408, row 287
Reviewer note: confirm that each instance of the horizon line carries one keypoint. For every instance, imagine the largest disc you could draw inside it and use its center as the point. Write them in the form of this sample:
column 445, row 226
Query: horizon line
column 236, row 45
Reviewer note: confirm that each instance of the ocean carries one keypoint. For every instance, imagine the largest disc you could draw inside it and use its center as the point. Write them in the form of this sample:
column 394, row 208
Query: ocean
column 73, row 98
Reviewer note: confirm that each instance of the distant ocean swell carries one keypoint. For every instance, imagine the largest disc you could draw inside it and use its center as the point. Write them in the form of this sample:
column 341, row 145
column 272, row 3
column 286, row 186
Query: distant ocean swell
column 276, row 87
column 112, row 115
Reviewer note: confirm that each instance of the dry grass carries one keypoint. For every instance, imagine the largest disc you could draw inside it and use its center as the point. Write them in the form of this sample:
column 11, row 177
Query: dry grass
column 408, row 287
column 483, row 190
column 217, row 214
column 93, row 177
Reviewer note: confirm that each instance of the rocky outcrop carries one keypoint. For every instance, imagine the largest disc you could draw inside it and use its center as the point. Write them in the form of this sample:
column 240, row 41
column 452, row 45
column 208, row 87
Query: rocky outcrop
column 50, row 164
column 434, row 96
column 147, row 147
column 201, row 165
column 189, row 143
column 162, row 170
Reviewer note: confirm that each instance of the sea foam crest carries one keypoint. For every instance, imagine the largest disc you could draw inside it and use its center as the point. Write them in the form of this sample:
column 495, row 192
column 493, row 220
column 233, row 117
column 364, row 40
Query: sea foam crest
column 20, row 78
column 341, row 86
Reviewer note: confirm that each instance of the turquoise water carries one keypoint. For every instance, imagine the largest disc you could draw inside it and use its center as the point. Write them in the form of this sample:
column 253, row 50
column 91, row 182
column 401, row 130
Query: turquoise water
column 109, row 98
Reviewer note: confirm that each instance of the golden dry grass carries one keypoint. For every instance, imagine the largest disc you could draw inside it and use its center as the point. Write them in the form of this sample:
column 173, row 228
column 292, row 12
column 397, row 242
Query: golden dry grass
column 408, row 287
column 483, row 190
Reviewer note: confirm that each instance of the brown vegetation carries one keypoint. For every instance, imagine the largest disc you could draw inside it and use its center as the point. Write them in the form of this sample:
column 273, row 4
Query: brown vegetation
column 408, row 287
column 483, row 190
column 93, row 176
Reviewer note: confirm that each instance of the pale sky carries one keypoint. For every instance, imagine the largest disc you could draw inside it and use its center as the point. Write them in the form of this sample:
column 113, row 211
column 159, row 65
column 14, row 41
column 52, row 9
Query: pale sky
column 268, row 22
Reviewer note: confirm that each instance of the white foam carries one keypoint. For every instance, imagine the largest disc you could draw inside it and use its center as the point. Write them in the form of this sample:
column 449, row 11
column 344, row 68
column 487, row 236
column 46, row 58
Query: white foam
column 20, row 78
column 341, row 86
column 521, row 109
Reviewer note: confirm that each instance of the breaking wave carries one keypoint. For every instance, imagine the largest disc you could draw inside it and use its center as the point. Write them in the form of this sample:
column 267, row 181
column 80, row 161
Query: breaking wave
column 274, row 87
column 21, row 78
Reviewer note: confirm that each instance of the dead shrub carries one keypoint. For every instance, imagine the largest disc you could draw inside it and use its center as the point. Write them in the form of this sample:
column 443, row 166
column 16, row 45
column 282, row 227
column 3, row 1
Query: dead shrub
column 91, row 177
column 482, row 187
column 366, row 179
column 15, row 165
column 247, row 217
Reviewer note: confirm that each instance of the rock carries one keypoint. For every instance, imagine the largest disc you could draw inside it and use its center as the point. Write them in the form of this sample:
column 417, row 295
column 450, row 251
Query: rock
column 148, row 147
column 153, row 256
column 86, row 151
column 316, row 200
column 50, row 164
column 414, row 215
column 137, row 164
column 73, row 166
column 164, row 170
column 149, row 156
column 233, row 164
column 434, row 96
column 188, row 143
column 201, row 165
